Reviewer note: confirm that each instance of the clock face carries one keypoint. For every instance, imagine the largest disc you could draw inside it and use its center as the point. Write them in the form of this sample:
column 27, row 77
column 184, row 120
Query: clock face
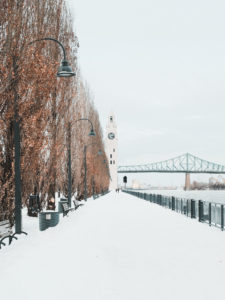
column 111, row 135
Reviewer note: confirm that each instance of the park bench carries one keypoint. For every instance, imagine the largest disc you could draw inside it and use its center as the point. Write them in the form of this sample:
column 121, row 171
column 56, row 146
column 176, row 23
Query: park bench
column 5, row 232
column 77, row 205
column 66, row 209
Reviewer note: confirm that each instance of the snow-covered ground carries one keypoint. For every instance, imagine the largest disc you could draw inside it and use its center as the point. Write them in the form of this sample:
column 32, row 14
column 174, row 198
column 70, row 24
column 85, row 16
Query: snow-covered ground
column 117, row 247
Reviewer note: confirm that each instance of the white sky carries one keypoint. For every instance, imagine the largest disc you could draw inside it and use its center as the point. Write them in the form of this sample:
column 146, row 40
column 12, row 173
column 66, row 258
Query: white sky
column 160, row 66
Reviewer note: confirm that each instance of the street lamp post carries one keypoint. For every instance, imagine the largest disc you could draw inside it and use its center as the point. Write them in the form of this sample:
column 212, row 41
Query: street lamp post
column 69, row 167
column 105, row 162
column 85, row 173
column 91, row 133
column 63, row 71
column 93, row 187
column 85, row 168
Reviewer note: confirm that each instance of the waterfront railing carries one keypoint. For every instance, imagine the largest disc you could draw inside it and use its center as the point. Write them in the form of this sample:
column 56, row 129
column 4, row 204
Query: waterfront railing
column 205, row 212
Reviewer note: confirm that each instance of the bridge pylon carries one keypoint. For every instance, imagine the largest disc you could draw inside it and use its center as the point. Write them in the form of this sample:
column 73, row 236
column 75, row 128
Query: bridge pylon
column 187, row 186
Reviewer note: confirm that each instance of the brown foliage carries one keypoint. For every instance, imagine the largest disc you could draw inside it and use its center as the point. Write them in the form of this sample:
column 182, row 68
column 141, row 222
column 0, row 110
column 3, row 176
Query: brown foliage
column 46, row 105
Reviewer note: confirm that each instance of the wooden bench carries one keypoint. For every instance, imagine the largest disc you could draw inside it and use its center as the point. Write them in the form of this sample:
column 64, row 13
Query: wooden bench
column 77, row 205
column 66, row 209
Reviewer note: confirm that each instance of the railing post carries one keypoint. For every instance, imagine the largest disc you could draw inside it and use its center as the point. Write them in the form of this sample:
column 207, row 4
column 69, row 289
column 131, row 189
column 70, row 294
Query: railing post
column 210, row 214
column 187, row 207
column 222, row 217
column 200, row 211
column 192, row 209
column 173, row 203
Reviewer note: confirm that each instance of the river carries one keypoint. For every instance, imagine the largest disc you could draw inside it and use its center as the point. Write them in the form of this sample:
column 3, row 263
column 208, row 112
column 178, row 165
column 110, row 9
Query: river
column 206, row 195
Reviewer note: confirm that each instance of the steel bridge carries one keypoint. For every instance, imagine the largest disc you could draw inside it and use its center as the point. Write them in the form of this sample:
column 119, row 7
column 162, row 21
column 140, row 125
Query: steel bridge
column 186, row 163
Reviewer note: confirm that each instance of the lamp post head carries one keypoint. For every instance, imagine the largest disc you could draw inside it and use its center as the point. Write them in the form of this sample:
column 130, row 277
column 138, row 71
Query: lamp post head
column 92, row 133
column 65, row 70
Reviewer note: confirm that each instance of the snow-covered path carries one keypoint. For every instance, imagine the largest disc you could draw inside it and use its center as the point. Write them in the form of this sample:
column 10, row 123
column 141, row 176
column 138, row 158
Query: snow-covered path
column 117, row 247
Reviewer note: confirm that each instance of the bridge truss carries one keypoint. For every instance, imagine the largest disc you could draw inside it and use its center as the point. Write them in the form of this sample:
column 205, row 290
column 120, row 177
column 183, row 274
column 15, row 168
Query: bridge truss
column 186, row 163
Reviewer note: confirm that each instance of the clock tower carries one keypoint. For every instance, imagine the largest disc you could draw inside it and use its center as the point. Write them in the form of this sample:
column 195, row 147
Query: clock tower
column 111, row 145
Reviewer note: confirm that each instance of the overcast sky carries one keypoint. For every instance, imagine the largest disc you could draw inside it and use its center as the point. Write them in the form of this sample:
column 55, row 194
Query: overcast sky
column 160, row 66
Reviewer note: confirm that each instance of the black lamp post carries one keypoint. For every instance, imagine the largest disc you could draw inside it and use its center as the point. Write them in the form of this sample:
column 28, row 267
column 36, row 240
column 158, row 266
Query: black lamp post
column 85, row 168
column 93, row 186
column 91, row 133
column 105, row 163
column 63, row 71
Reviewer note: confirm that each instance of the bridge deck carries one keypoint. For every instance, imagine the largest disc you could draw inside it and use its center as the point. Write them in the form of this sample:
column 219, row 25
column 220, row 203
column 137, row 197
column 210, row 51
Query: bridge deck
column 186, row 163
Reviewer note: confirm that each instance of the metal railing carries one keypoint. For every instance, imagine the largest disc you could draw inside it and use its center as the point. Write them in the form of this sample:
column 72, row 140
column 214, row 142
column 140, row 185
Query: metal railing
column 205, row 212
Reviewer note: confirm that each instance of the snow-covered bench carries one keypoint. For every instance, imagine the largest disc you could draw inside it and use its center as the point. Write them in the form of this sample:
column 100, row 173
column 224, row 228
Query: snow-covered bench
column 66, row 209
column 5, row 232
column 76, row 204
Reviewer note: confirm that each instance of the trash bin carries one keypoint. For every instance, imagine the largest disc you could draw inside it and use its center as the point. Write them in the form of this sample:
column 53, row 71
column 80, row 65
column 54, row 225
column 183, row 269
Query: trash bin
column 60, row 210
column 48, row 219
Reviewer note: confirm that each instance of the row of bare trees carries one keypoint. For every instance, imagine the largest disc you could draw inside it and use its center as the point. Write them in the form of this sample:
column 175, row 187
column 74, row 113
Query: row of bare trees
column 48, row 106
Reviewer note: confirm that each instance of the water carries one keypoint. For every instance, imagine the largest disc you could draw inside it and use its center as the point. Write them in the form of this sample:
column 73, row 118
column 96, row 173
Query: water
column 210, row 196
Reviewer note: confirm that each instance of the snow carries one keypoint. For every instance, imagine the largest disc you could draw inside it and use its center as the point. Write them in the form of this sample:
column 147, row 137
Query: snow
column 117, row 247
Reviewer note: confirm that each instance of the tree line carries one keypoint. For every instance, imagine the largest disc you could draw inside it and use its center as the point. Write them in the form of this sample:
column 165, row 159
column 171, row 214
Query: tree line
column 48, row 107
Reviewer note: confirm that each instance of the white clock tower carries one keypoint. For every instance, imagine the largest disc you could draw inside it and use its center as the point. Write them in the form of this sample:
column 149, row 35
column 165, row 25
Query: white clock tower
column 111, row 145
